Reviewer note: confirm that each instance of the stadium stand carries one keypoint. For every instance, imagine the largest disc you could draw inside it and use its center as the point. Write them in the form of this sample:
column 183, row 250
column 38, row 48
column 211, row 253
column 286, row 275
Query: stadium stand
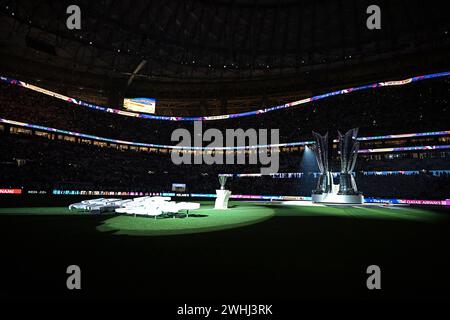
column 415, row 107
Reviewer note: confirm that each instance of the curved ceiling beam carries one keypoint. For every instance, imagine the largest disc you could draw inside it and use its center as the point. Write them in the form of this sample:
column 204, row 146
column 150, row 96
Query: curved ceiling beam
column 138, row 68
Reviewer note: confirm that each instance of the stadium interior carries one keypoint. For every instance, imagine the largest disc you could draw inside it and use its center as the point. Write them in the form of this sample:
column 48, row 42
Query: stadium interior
column 67, row 136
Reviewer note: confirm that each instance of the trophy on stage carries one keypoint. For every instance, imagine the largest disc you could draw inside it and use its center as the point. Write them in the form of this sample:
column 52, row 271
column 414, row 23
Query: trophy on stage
column 348, row 146
column 222, row 181
column 222, row 195
column 320, row 149
column 346, row 191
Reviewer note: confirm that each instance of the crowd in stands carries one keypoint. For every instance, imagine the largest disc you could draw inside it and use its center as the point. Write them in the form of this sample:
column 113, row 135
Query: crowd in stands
column 416, row 107
column 38, row 163
column 41, row 164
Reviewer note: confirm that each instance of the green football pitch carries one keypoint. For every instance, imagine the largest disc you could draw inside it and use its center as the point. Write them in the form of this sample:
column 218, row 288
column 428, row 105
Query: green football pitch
column 253, row 250
column 239, row 214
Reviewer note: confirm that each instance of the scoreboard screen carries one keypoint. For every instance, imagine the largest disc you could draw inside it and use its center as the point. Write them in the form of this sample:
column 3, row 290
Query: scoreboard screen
column 178, row 187
column 144, row 105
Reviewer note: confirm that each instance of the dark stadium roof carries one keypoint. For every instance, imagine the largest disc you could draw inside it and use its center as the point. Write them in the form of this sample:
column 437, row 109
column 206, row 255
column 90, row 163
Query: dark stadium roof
column 220, row 49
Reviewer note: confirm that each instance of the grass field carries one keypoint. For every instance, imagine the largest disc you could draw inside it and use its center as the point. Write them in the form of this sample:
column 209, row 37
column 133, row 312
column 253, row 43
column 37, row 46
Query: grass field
column 239, row 214
column 258, row 250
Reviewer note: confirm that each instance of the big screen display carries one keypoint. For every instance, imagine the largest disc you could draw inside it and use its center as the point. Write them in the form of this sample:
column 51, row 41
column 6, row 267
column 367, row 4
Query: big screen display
column 178, row 187
column 142, row 105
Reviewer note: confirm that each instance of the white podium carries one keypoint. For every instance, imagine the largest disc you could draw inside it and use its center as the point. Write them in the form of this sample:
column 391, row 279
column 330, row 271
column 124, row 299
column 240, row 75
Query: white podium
column 338, row 198
column 222, row 199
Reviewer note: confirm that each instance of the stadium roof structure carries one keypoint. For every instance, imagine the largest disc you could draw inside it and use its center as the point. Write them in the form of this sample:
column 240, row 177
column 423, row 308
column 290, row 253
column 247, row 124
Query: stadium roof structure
column 216, row 57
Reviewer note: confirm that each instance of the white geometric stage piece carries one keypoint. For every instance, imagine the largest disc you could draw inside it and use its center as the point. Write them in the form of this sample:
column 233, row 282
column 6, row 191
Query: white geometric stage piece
column 335, row 198
column 222, row 199
column 149, row 206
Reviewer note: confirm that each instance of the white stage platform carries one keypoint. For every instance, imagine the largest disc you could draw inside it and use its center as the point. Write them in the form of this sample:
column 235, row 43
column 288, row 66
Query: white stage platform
column 222, row 199
column 334, row 198
column 148, row 206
